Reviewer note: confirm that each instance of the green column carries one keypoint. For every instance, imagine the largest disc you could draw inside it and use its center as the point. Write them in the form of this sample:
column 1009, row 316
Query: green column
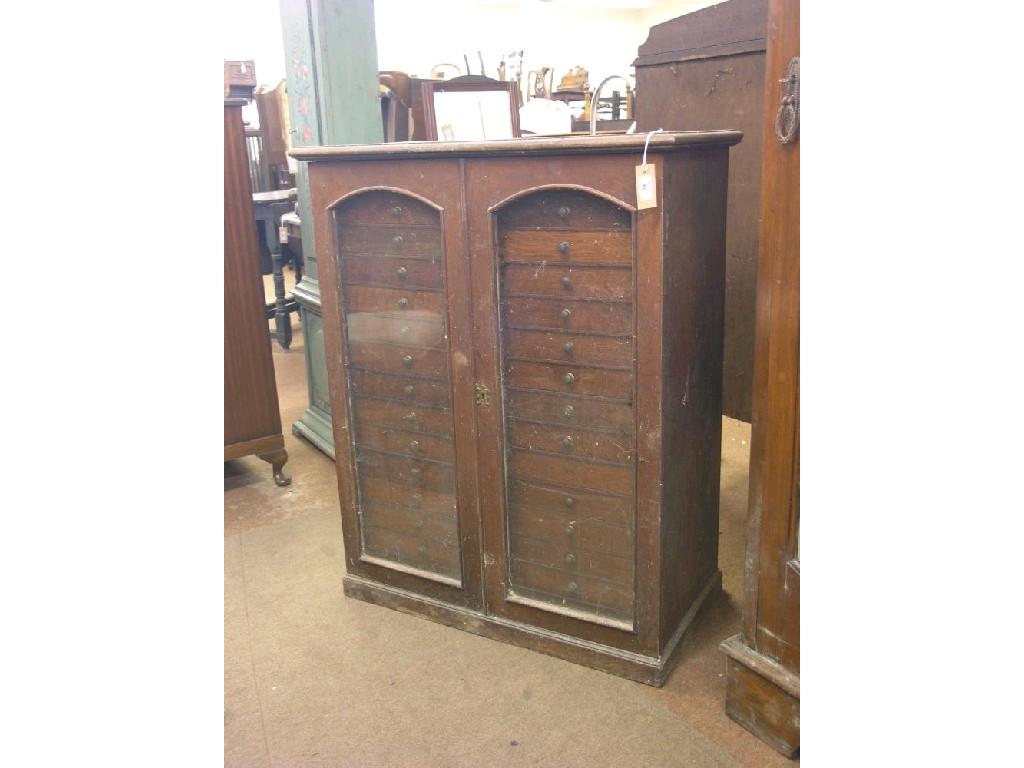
column 331, row 62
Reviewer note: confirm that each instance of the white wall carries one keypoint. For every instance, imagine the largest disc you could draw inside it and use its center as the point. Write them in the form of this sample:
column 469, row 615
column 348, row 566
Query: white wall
column 602, row 36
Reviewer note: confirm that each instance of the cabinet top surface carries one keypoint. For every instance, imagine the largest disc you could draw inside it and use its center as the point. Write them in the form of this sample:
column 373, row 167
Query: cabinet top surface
column 538, row 145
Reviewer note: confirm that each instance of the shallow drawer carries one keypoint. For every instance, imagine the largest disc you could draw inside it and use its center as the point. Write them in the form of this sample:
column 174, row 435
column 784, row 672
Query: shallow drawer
column 425, row 304
column 414, row 418
column 437, row 555
column 568, row 314
column 580, row 443
column 417, row 522
column 395, row 440
column 556, row 377
column 567, row 281
column 390, row 242
column 380, row 207
column 563, row 555
column 395, row 328
column 400, row 358
column 374, row 490
column 574, row 247
column 570, row 411
column 415, row 473
column 542, row 468
column 599, row 522
column 391, row 273
column 562, row 208
column 400, row 388
column 571, row 348
column 571, row 589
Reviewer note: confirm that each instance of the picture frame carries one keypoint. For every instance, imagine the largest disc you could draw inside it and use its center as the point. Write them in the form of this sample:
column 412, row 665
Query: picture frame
column 471, row 108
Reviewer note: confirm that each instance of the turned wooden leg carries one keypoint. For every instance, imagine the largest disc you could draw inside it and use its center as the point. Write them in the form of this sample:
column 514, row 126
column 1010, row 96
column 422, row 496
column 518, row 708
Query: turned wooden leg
column 282, row 320
column 277, row 460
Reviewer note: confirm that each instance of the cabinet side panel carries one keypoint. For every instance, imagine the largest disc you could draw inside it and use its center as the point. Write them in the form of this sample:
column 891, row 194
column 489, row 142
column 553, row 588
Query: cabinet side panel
column 694, row 294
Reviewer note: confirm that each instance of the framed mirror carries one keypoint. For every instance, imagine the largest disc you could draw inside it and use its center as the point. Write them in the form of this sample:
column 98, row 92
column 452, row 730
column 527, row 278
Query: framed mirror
column 471, row 108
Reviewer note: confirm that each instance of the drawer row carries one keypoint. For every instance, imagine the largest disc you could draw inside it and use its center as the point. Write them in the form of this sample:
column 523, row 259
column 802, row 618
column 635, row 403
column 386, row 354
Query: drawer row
column 424, row 244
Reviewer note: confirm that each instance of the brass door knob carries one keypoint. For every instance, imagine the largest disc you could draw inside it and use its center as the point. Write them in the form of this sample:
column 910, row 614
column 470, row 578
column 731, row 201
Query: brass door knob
column 397, row 239
column 568, row 347
column 573, row 586
column 408, row 389
column 563, row 212
column 570, row 558
column 407, row 361
column 396, row 211
column 563, row 247
column 569, row 411
column 403, row 303
column 565, row 313
column 567, row 442
column 566, row 282
column 570, row 501
column 569, row 378
column 570, row 529
column 414, row 445
column 402, row 272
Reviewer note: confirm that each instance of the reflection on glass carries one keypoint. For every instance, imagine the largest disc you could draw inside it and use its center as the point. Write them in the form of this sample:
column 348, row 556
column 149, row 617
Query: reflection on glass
column 392, row 285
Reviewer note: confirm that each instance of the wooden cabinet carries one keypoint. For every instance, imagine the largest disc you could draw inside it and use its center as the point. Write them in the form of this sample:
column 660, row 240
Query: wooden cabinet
column 526, row 384
column 252, row 419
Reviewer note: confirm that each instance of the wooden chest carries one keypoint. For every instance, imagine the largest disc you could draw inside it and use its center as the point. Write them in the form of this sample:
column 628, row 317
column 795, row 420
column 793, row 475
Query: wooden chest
column 525, row 374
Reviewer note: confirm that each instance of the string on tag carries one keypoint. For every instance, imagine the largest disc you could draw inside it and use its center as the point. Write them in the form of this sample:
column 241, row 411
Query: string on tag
column 643, row 163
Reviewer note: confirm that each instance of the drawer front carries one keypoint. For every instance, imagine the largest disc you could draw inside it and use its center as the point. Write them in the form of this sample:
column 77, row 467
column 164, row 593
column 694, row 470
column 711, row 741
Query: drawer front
column 616, row 351
column 567, row 281
column 389, row 493
column 390, row 243
column 578, row 443
column 570, row 411
column 564, row 209
column 427, row 305
column 565, row 296
column 390, row 258
column 413, row 444
column 532, row 466
column 571, row 247
column 402, row 389
column 566, row 378
column 382, row 207
column 414, row 418
column 399, row 358
column 416, row 473
column 391, row 273
column 611, row 317
column 571, row 589
column 596, row 519
column 390, row 328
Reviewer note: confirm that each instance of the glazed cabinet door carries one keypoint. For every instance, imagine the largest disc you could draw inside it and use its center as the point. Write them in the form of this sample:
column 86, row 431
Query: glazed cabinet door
column 408, row 495
column 562, row 509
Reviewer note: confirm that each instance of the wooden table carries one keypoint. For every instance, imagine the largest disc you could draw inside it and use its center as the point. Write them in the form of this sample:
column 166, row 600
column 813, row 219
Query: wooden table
column 268, row 208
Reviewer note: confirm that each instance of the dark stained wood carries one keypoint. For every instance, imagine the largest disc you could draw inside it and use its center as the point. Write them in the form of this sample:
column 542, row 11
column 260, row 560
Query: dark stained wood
column 771, row 616
column 252, row 419
column 706, row 70
column 568, row 418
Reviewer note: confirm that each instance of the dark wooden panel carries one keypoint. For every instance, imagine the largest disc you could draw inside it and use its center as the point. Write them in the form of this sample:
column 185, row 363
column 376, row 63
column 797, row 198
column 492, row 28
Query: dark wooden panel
column 396, row 328
column 410, row 443
column 573, row 512
column 383, row 207
column 571, row 442
column 571, row 348
column 388, row 491
column 402, row 389
column 359, row 298
column 614, row 479
column 391, row 273
column 389, row 242
column 415, row 418
column 400, row 358
column 570, row 410
column 569, row 379
column 563, row 209
column 571, row 589
column 563, row 556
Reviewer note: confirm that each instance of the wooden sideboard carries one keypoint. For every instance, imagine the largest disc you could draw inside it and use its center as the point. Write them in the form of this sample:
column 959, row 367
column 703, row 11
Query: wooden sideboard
column 526, row 380
column 252, row 419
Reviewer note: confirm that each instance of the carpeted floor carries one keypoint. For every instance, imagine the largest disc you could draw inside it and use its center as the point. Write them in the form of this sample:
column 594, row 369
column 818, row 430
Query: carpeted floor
column 312, row 678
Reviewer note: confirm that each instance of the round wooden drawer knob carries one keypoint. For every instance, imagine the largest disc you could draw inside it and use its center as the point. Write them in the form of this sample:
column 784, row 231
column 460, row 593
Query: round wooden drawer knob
column 408, row 389
column 570, row 558
column 568, row 347
column 416, row 471
column 410, row 416
column 566, row 282
column 567, row 442
column 396, row 211
column 403, row 303
column 563, row 212
column 563, row 247
column 403, row 331
column 565, row 314
column 402, row 272
column 570, row 502
column 414, row 445
column 569, row 411
column 569, row 378
column 573, row 586
column 407, row 361
column 570, row 529
column 397, row 239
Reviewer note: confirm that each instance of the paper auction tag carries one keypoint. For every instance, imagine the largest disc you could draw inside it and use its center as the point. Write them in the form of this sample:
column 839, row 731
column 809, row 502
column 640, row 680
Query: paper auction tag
column 646, row 187
column 282, row 235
